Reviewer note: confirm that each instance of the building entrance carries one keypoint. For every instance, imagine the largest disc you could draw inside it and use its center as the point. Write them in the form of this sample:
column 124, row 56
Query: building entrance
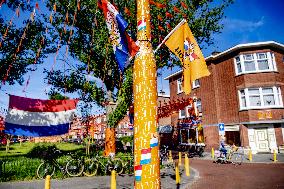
column 262, row 143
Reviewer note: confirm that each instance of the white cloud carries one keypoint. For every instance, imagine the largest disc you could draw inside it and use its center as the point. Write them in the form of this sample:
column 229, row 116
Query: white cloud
column 238, row 25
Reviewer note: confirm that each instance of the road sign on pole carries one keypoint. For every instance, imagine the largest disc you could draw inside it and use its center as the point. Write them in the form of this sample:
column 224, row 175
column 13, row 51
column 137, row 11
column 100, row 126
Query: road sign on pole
column 221, row 127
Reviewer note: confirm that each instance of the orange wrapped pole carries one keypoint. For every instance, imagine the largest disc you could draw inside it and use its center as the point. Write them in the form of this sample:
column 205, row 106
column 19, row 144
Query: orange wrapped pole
column 146, row 148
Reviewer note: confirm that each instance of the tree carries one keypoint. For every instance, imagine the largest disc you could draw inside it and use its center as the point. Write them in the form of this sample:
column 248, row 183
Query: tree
column 81, row 26
column 22, row 45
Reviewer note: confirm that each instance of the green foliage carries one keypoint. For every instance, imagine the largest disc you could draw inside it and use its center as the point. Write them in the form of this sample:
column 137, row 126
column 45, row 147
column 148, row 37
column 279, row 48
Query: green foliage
column 87, row 38
column 57, row 96
column 126, row 139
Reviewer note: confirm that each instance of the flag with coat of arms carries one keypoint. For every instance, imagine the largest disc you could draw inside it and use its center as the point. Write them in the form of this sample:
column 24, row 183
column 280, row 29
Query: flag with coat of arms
column 123, row 46
column 182, row 43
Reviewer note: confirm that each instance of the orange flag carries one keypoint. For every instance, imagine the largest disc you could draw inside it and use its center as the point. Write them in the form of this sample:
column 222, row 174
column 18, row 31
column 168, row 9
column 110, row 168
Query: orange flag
column 182, row 43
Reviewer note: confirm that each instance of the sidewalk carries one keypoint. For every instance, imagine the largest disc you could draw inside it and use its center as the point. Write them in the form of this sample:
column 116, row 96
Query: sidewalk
column 256, row 158
column 103, row 182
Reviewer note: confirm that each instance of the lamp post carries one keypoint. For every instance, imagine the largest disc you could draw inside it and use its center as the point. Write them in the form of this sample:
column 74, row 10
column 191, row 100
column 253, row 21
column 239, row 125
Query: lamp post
column 146, row 159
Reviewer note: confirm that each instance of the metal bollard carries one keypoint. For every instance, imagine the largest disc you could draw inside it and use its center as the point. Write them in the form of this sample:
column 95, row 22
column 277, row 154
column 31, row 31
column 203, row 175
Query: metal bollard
column 274, row 156
column 250, row 156
column 186, row 165
column 113, row 180
column 212, row 153
column 177, row 174
column 170, row 156
column 47, row 182
column 179, row 159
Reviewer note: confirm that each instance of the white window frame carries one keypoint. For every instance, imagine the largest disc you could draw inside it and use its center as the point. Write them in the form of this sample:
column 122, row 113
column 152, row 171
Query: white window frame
column 276, row 94
column 269, row 56
column 179, row 114
column 195, row 84
column 179, row 86
column 186, row 109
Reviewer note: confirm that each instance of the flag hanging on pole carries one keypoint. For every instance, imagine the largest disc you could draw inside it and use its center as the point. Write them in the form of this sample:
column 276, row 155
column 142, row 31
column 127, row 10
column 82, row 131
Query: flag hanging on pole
column 123, row 46
column 34, row 117
column 182, row 43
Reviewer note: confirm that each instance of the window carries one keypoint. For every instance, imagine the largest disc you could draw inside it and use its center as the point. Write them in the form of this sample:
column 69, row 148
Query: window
column 198, row 105
column 179, row 85
column 263, row 97
column 182, row 114
column 195, row 84
column 256, row 62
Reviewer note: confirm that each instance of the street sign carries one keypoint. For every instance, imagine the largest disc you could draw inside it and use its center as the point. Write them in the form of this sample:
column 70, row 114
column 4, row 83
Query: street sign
column 221, row 127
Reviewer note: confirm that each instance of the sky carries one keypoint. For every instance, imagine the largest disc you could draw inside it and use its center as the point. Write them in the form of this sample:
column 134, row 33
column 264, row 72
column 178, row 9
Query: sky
column 246, row 21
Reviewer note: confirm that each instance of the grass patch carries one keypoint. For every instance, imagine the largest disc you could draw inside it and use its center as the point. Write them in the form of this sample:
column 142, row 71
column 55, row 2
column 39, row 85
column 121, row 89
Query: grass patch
column 17, row 150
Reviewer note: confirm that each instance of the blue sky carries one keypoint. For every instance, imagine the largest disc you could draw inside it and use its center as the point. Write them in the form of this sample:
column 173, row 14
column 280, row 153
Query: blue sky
column 246, row 21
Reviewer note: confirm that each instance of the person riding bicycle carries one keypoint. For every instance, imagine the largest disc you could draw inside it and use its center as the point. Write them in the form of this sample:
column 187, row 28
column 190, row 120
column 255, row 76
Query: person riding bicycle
column 222, row 148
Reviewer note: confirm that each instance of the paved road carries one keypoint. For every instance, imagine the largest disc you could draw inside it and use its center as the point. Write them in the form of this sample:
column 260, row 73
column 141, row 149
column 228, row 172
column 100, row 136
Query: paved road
column 228, row 176
column 101, row 182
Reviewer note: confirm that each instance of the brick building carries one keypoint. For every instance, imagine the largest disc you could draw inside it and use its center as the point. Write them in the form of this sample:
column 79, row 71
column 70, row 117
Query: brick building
column 244, row 91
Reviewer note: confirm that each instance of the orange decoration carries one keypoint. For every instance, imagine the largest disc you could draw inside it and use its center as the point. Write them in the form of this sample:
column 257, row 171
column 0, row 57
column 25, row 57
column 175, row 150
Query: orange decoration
column 18, row 12
column 176, row 9
column 50, row 18
column 161, row 28
column 160, row 5
column 169, row 15
column 109, row 141
column 183, row 5
column 66, row 18
column 152, row 2
column 160, row 18
column 127, row 11
column 169, row 26
column 54, row 7
column 37, row 6
column 78, row 5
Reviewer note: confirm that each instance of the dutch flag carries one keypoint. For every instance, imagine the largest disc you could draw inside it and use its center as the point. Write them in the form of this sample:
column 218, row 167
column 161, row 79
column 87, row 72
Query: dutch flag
column 145, row 156
column 142, row 25
column 35, row 117
column 138, row 172
column 154, row 142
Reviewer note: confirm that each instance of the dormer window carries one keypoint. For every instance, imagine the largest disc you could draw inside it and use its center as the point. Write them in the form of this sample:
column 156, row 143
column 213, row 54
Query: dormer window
column 255, row 62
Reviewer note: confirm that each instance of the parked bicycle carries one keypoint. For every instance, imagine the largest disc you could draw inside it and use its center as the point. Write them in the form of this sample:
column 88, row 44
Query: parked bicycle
column 74, row 167
column 106, row 164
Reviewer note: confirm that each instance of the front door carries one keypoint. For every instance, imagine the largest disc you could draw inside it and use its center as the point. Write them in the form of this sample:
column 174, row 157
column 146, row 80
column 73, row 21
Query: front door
column 262, row 140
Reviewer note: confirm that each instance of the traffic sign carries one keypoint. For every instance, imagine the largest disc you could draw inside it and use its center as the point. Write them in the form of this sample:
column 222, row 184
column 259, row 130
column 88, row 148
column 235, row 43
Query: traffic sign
column 221, row 127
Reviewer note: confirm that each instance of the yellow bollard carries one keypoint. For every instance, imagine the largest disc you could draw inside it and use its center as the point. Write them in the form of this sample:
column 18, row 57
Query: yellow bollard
column 179, row 159
column 113, row 180
column 170, row 156
column 186, row 165
column 47, row 182
column 250, row 156
column 177, row 174
column 212, row 153
column 274, row 156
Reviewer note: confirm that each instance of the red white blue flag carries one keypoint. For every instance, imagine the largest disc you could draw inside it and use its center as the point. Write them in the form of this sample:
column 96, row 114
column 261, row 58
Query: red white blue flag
column 138, row 172
column 142, row 25
column 145, row 156
column 123, row 46
column 34, row 117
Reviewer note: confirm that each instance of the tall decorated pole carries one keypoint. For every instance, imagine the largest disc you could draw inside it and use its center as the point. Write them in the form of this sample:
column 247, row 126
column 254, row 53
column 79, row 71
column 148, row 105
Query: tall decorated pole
column 147, row 166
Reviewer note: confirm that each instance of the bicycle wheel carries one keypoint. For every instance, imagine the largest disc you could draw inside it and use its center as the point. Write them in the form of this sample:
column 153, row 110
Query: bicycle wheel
column 74, row 167
column 90, row 168
column 237, row 158
column 44, row 169
column 115, row 164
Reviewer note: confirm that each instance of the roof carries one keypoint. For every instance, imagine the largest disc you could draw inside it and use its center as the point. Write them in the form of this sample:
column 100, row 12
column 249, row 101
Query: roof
column 235, row 48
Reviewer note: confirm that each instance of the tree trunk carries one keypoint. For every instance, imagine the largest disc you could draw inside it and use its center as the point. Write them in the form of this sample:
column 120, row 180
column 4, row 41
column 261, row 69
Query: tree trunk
column 109, row 132
column 109, row 141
